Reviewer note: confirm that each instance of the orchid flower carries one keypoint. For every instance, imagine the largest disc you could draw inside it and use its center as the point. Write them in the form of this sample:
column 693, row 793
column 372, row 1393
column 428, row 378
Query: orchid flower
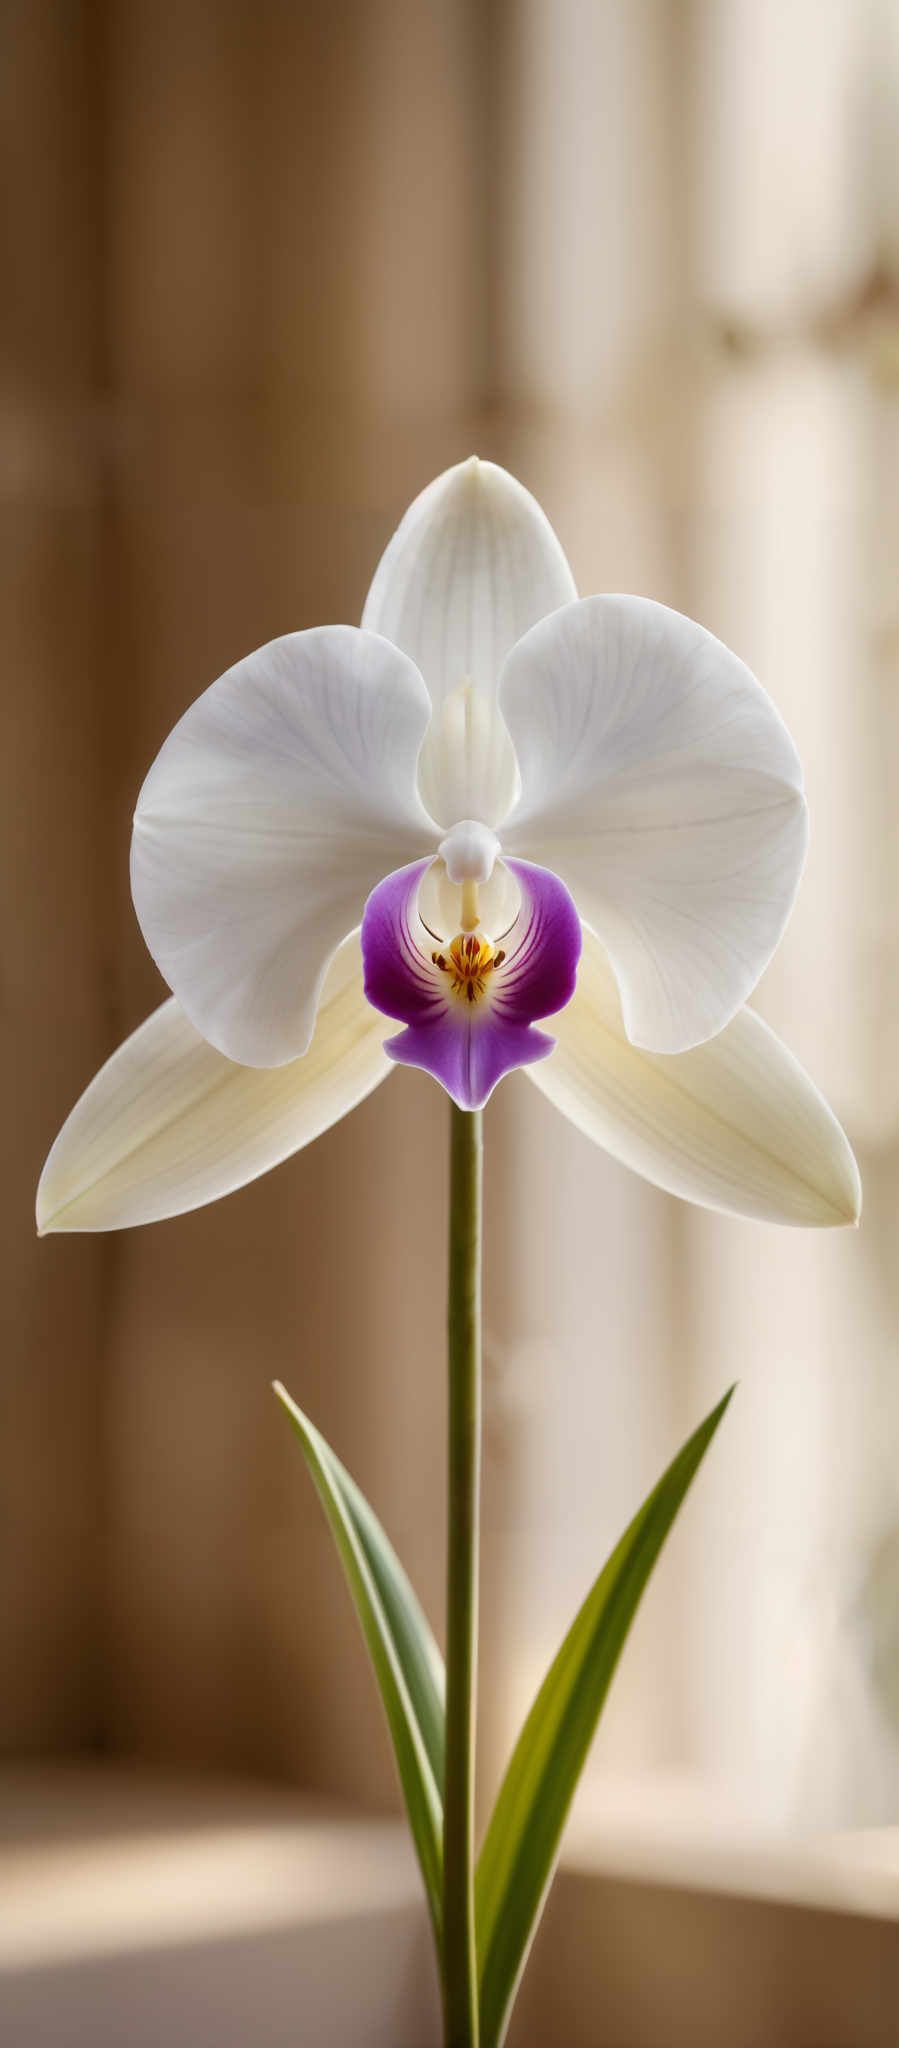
column 492, row 804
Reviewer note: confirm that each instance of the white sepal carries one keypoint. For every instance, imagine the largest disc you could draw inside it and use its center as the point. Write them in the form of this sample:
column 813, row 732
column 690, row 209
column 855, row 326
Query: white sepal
column 472, row 565
column 735, row 1125
column 169, row 1124
column 659, row 782
column 277, row 803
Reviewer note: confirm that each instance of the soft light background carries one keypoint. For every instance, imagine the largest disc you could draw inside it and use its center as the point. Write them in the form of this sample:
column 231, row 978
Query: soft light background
column 270, row 268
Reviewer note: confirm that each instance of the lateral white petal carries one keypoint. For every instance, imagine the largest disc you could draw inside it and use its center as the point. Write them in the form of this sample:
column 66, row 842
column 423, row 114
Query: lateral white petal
column 659, row 782
column 735, row 1124
column 281, row 798
column 169, row 1123
column 472, row 565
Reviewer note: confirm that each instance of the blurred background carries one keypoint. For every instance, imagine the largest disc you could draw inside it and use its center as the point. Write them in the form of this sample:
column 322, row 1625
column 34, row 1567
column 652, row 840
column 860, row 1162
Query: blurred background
column 268, row 269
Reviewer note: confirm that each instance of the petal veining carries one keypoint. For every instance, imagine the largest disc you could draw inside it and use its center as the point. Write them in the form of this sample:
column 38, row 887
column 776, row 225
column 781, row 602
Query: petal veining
column 169, row 1124
column 472, row 565
column 469, row 1007
column 660, row 782
column 735, row 1125
column 284, row 793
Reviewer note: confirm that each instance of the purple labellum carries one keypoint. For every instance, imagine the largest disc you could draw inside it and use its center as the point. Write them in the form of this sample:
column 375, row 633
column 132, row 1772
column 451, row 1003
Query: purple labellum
column 469, row 1005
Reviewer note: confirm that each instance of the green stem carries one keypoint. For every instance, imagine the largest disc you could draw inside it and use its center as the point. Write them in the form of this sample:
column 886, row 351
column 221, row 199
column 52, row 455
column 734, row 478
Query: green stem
column 464, row 1333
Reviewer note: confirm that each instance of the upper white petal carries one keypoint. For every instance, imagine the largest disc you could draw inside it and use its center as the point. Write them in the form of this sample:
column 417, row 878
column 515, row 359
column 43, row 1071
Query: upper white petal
column 282, row 796
column 659, row 782
column 472, row 565
column 169, row 1124
column 735, row 1124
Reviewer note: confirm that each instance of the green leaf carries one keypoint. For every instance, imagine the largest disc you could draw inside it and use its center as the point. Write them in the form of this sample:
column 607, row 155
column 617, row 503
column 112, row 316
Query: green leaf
column 420, row 1659
column 520, row 1848
column 408, row 1665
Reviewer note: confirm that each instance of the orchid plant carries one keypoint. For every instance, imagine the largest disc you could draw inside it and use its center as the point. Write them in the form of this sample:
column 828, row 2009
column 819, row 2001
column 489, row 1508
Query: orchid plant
column 492, row 804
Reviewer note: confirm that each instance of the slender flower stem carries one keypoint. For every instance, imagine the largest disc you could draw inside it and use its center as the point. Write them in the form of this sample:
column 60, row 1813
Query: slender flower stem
column 464, row 1333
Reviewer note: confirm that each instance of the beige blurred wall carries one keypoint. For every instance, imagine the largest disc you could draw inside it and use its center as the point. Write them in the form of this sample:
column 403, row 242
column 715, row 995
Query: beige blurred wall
column 248, row 322
column 58, row 957
column 270, row 269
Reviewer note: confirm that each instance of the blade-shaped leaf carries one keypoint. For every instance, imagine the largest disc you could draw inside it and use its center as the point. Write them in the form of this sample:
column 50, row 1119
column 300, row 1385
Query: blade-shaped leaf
column 407, row 1662
column 520, row 1848
column 420, row 1659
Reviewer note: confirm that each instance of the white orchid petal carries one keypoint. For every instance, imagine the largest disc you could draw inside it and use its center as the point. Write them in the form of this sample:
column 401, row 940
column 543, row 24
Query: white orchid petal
column 659, row 782
column 169, row 1124
column 735, row 1124
column 471, row 566
column 282, row 797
